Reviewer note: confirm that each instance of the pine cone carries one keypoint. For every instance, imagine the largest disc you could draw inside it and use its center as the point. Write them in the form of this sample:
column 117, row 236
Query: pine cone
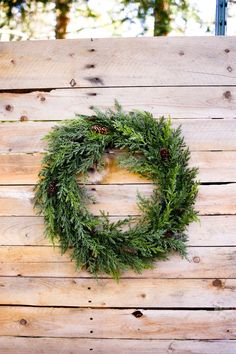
column 99, row 129
column 164, row 153
column 52, row 188
column 168, row 233
column 130, row 250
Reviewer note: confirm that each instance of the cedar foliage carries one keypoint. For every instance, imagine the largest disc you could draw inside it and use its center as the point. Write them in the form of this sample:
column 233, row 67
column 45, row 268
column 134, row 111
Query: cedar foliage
column 96, row 243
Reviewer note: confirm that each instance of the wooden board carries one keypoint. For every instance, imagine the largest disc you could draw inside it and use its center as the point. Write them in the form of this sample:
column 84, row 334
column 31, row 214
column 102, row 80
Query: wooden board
column 178, row 102
column 9, row 345
column 117, row 323
column 201, row 262
column 103, row 293
column 185, row 306
column 210, row 231
column 200, row 135
column 212, row 199
column 157, row 61
column 214, row 166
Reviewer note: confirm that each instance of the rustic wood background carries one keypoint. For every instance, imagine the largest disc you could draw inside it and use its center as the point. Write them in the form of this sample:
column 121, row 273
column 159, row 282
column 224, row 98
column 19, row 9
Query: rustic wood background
column 184, row 306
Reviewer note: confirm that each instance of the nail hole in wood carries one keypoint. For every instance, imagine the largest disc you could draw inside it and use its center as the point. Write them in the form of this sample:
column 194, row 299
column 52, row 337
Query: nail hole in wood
column 91, row 50
column 95, row 80
column 196, row 259
column 91, row 318
column 90, row 66
column 181, row 53
column 227, row 50
column 89, row 288
column 89, row 301
column 72, row 83
column 91, row 331
column 229, row 68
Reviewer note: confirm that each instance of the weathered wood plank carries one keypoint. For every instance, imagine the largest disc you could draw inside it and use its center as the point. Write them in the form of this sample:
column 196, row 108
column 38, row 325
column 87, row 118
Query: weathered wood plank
column 102, row 62
column 10, row 345
column 214, row 166
column 145, row 293
column 114, row 323
column 210, row 231
column 179, row 102
column 212, row 199
column 200, row 135
column 202, row 262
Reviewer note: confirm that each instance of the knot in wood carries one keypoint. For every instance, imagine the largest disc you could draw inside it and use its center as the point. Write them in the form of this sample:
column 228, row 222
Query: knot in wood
column 227, row 94
column 9, row 108
column 217, row 283
column 137, row 314
column 23, row 118
column 23, row 322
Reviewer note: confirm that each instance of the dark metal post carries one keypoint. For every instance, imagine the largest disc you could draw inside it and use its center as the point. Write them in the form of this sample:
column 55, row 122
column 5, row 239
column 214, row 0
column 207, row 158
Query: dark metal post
column 221, row 11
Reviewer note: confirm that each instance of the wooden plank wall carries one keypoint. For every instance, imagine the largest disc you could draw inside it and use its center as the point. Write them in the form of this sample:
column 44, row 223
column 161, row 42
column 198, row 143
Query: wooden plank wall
column 182, row 306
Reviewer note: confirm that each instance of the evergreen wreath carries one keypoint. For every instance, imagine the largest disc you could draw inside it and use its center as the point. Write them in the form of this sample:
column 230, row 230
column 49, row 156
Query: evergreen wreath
column 152, row 149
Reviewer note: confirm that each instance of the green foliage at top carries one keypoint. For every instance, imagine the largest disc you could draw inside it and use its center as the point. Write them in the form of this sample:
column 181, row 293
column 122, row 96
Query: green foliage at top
column 152, row 148
column 164, row 13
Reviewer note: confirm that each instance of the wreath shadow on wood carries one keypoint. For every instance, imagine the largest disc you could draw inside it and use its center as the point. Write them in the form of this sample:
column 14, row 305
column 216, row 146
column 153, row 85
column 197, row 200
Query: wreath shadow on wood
column 152, row 149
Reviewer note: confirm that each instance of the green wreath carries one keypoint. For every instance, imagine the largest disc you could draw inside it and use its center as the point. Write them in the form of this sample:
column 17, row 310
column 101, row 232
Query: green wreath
column 152, row 149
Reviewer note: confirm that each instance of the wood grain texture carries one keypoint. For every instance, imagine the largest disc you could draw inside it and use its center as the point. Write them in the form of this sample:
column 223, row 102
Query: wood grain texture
column 120, row 200
column 214, row 166
column 9, row 345
column 117, row 323
column 29, row 231
column 201, row 262
column 99, row 62
column 200, row 135
column 193, row 300
column 103, row 293
column 179, row 102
